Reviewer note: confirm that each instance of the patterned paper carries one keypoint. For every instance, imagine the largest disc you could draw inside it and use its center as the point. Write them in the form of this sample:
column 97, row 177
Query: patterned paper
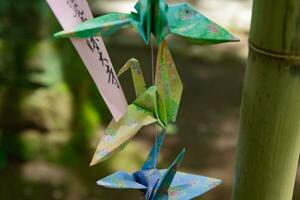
column 158, row 18
column 159, row 103
column 164, row 184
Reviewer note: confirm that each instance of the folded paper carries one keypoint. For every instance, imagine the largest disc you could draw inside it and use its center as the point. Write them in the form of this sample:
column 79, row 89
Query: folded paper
column 93, row 53
column 158, row 18
column 159, row 103
column 158, row 184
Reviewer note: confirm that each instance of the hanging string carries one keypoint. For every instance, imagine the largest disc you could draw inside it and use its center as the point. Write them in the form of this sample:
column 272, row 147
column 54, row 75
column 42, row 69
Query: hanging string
column 155, row 156
column 153, row 82
column 152, row 61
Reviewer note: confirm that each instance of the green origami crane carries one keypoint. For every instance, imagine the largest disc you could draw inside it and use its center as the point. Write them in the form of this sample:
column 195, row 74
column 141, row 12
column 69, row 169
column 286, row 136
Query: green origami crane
column 158, row 18
column 159, row 103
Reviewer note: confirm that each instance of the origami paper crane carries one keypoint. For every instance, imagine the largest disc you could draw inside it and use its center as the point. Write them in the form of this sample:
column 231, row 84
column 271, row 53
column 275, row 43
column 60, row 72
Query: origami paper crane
column 164, row 184
column 158, row 18
column 159, row 103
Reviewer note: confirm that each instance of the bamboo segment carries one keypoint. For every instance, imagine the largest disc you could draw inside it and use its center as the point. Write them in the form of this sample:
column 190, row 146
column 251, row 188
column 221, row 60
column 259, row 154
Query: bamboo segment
column 269, row 140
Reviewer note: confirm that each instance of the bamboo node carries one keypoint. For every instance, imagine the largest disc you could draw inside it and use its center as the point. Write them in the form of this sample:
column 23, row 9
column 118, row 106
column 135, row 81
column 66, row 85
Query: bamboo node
column 264, row 52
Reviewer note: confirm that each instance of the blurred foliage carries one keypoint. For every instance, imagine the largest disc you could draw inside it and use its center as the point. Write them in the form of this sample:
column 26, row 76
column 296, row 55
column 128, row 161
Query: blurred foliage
column 46, row 95
column 22, row 24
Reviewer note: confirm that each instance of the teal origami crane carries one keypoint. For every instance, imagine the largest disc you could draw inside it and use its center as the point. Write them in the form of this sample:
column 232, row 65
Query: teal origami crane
column 164, row 184
column 159, row 103
column 158, row 18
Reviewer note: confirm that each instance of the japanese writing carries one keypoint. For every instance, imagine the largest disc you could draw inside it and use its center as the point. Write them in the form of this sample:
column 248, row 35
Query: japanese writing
column 93, row 44
column 77, row 12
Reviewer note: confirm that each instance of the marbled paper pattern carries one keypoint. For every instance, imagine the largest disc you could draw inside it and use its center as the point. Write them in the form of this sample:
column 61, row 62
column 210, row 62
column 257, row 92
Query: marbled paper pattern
column 157, row 18
column 164, row 184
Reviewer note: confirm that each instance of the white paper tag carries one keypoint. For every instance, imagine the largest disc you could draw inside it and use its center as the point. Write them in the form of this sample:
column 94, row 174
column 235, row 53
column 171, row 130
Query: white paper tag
column 93, row 53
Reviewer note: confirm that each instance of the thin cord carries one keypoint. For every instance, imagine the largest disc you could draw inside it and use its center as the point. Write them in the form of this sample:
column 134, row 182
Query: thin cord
column 153, row 82
column 152, row 61
column 155, row 156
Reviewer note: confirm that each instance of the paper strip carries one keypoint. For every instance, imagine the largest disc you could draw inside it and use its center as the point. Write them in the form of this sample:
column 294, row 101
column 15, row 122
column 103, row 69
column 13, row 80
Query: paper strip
column 93, row 53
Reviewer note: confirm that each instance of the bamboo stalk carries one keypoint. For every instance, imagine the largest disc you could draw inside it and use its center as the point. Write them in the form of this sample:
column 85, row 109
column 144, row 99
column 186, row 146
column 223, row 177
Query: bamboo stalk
column 269, row 140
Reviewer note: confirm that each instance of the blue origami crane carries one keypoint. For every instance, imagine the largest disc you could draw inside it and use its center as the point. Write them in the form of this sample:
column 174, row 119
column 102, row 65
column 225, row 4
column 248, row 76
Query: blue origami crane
column 167, row 184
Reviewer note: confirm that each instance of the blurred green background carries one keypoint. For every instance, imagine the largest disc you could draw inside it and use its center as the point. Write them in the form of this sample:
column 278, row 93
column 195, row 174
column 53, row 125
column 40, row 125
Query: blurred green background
column 52, row 116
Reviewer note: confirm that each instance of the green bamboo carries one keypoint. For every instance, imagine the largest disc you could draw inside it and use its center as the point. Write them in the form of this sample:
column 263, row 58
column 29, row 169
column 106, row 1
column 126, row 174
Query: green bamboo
column 269, row 139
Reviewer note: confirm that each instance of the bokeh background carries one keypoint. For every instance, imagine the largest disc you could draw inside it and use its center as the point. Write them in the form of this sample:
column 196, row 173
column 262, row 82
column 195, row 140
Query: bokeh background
column 52, row 116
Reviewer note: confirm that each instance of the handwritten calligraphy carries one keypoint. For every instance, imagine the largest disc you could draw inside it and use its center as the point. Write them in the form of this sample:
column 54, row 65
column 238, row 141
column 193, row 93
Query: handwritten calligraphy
column 93, row 44
column 77, row 12
column 93, row 53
